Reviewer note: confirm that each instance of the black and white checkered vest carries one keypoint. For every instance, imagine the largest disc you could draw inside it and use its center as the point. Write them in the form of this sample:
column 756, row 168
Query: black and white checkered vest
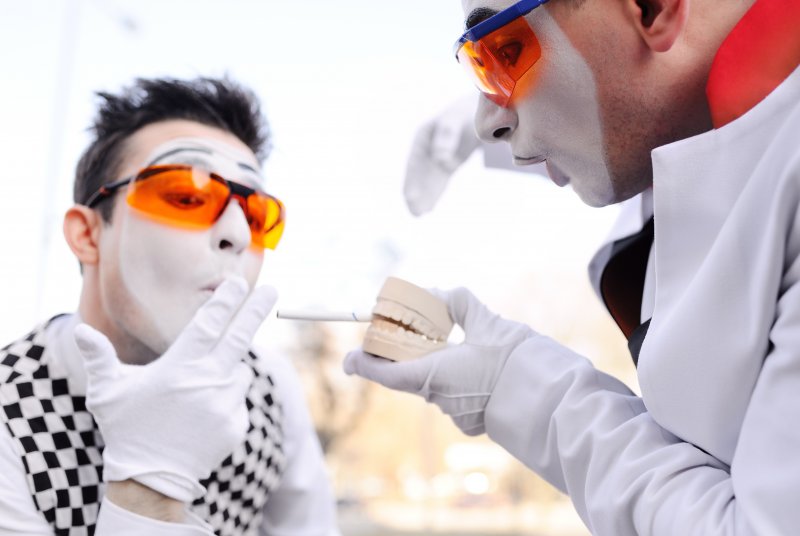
column 61, row 447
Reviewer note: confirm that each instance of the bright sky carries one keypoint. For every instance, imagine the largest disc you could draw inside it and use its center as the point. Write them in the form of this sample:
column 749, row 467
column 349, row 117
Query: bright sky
column 344, row 84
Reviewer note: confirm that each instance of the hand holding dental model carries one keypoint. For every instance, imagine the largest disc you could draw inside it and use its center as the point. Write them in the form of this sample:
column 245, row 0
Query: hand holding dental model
column 169, row 423
column 457, row 378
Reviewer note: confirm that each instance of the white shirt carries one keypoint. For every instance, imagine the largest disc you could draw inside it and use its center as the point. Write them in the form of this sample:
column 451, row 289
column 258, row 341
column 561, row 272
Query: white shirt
column 302, row 505
column 713, row 445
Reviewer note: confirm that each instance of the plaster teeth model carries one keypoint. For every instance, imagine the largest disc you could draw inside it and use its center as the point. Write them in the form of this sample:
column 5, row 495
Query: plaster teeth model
column 407, row 322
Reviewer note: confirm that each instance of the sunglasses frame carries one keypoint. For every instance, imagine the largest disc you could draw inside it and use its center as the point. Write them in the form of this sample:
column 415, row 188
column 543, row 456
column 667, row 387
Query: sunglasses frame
column 234, row 189
column 495, row 22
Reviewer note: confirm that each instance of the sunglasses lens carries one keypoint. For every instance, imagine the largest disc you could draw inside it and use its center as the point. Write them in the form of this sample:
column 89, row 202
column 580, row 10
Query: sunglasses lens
column 182, row 196
column 178, row 195
column 266, row 215
column 498, row 60
column 482, row 68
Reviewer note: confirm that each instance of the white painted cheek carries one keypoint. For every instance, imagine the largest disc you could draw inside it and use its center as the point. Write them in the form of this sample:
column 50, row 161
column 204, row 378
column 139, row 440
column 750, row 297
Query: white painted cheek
column 562, row 116
column 251, row 262
column 160, row 268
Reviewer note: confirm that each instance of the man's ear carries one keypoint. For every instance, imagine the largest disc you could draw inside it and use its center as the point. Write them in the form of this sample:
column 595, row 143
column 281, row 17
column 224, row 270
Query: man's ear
column 82, row 230
column 659, row 22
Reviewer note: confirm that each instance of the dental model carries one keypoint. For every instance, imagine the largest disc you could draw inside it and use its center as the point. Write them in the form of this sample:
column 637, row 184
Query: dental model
column 407, row 322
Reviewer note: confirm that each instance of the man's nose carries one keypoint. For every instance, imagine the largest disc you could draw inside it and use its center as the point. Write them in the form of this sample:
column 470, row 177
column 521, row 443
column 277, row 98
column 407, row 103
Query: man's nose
column 231, row 231
column 494, row 123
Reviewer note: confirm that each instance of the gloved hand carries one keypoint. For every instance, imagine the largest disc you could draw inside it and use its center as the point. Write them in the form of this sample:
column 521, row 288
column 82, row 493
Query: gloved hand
column 460, row 378
column 169, row 423
column 440, row 146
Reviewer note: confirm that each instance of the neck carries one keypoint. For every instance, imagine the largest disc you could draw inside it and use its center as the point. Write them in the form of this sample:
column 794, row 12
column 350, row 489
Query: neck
column 129, row 349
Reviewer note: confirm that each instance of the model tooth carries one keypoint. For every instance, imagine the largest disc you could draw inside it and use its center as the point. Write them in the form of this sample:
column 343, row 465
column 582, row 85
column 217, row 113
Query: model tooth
column 396, row 311
column 407, row 317
column 383, row 325
column 390, row 310
column 379, row 309
column 423, row 325
column 384, row 308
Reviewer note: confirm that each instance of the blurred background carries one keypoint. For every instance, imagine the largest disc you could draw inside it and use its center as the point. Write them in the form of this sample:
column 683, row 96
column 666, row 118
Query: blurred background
column 345, row 85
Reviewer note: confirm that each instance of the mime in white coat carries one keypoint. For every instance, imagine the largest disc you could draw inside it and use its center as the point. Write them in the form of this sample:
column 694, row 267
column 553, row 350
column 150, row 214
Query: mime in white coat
column 688, row 111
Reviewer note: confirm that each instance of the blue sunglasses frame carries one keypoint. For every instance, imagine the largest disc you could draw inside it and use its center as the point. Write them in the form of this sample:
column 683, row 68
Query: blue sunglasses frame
column 498, row 20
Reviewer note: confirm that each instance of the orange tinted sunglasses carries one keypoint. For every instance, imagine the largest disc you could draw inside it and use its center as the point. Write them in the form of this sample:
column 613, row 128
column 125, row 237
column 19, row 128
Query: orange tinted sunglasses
column 192, row 197
column 498, row 51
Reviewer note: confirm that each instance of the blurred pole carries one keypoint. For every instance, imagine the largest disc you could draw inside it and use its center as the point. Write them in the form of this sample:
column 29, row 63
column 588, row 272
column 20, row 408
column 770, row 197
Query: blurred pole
column 62, row 87
column 67, row 56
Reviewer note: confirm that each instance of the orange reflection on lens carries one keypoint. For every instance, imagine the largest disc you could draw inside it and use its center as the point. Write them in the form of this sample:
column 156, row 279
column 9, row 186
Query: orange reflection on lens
column 498, row 60
column 193, row 198
column 266, row 217
column 178, row 195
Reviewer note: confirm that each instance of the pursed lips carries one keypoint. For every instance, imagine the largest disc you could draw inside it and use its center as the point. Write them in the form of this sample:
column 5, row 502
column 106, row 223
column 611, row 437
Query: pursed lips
column 526, row 160
column 211, row 287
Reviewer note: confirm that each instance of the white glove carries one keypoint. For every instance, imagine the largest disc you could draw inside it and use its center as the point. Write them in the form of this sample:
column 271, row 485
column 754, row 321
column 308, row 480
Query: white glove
column 460, row 378
column 169, row 423
column 440, row 146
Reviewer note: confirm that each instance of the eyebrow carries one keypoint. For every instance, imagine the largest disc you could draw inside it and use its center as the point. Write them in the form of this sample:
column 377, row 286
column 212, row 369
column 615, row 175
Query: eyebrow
column 242, row 165
column 247, row 167
column 479, row 15
column 178, row 150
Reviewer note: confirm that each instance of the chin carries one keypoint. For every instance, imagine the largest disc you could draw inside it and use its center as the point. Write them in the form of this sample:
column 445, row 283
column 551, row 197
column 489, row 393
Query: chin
column 608, row 192
column 407, row 322
column 167, row 326
column 596, row 199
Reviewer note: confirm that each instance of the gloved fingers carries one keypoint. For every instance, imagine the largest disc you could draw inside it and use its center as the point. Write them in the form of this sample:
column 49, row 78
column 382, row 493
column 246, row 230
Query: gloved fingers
column 210, row 321
column 409, row 376
column 481, row 325
column 454, row 136
column 472, row 429
column 424, row 179
column 464, row 308
column 99, row 356
column 239, row 336
column 243, row 377
column 467, row 410
column 443, row 295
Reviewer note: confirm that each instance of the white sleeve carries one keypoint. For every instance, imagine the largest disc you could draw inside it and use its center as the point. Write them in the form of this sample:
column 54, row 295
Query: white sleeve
column 588, row 435
column 303, row 504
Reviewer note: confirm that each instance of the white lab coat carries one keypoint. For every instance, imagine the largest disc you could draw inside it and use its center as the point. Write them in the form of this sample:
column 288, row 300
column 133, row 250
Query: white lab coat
column 713, row 445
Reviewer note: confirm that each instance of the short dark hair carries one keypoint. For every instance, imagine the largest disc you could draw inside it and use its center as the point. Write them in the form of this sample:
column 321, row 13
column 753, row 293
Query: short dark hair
column 216, row 102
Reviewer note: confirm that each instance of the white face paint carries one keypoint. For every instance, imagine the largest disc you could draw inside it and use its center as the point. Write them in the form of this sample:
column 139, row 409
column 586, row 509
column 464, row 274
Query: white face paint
column 167, row 273
column 554, row 113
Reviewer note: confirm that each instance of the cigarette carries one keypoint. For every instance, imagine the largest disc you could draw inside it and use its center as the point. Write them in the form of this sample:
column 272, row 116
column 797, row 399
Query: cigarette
column 324, row 316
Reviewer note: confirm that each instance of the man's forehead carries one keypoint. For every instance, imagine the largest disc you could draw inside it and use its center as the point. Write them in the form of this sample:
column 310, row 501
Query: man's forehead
column 215, row 154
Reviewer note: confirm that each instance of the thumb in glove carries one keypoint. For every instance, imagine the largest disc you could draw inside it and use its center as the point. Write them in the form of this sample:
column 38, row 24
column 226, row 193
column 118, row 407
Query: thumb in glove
column 100, row 358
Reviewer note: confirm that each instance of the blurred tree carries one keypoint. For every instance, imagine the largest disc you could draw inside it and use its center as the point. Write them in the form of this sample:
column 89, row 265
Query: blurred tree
column 337, row 402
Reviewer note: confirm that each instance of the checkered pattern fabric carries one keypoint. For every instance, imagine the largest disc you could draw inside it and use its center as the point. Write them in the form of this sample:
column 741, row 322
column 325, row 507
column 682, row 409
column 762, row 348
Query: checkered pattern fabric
column 61, row 448
column 57, row 438
column 238, row 490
